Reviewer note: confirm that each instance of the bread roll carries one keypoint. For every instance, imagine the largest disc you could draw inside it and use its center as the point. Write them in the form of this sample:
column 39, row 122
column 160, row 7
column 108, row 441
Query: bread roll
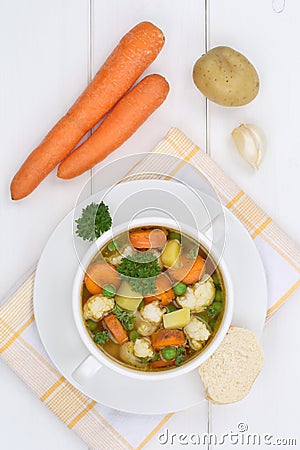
column 231, row 371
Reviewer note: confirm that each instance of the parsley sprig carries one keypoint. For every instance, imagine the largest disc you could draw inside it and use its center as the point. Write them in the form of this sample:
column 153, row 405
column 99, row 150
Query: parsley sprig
column 140, row 270
column 101, row 337
column 180, row 355
column 193, row 253
column 124, row 317
column 94, row 220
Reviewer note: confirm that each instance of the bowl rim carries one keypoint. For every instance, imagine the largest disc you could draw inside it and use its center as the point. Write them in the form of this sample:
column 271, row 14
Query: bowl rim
column 108, row 362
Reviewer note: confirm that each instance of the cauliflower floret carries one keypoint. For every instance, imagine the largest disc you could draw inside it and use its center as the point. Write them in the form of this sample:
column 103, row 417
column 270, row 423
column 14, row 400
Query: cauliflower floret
column 117, row 258
column 147, row 328
column 127, row 355
column 97, row 306
column 143, row 348
column 152, row 312
column 199, row 295
column 197, row 333
column 144, row 328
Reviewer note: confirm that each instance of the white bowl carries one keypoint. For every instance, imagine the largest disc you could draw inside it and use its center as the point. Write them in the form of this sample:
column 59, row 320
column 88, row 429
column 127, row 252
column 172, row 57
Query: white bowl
column 97, row 358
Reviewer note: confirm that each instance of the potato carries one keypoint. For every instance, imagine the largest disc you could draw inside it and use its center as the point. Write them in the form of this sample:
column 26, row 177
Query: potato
column 177, row 319
column 170, row 253
column 226, row 77
column 127, row 298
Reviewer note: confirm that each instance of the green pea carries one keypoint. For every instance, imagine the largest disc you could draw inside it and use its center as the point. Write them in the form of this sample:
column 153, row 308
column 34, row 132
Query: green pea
column 218, row 295
column 171, row 308
column 133, row 335
column 174, row 235
column 92, row 325
column 109, row 291
column 218, row 306
column 179, row 288
column 168, row 353
column 130, row 326
column 112, row 246
column 216, row 279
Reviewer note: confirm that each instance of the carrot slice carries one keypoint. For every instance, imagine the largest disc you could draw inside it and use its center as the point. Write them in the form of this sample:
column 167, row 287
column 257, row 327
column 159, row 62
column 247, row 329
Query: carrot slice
column 146, row 239
column 135, row 52
column 126, row 117
column 164, row 292
column 163, row 338
column 116, row 328
column 190, row 272
column 160, row 363
column 91, row 286
column 99, row 274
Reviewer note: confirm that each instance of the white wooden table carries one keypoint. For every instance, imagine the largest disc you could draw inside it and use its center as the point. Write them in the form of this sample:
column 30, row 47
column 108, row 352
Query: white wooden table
column 49, row 50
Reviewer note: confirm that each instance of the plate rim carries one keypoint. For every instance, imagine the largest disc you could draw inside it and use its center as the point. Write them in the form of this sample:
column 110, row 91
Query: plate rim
column 36, row 302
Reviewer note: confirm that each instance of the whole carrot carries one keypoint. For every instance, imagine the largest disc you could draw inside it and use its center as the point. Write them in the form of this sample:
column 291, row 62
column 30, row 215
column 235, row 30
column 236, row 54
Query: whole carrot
column 126, row 117
column 135, row 52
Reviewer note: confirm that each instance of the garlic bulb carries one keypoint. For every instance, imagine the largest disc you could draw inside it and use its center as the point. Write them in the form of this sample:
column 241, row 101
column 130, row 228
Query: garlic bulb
column 249, row 141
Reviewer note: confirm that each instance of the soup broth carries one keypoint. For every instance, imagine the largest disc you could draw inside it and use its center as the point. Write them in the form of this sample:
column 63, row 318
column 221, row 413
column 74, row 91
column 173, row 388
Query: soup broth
column 152, row 298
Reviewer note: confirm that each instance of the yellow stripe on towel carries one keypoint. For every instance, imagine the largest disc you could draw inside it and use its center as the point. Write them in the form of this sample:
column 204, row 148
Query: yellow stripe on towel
column 16, row 334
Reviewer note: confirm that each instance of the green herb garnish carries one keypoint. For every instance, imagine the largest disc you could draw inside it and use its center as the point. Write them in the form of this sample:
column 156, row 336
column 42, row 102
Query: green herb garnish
column 141, row 305
column 193, row 253
column 94, row 220
column 112, row 246
column 214, row 309
column 180, row 355
column 124, row 317
column 101, row 337
column 211, row 312
column 155, row 357
column 140, row 270
column 145, row 360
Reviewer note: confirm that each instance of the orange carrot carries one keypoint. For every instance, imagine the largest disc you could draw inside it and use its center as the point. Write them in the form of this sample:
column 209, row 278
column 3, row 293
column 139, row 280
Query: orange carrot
column 135, row 52
column 91, row 286
column 99, row 274
column 126, row 117
column 145, row 239
column 163, row 338
column 190, row 272
column 116, row 328
column 164, row 292
column 160, row 363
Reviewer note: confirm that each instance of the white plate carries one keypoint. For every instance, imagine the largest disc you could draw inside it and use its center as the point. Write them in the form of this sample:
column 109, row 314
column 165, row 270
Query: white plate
column 53, row 309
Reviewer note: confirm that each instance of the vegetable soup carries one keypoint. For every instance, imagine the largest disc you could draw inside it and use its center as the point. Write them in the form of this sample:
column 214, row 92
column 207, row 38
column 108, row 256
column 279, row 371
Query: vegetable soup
column 152, row 298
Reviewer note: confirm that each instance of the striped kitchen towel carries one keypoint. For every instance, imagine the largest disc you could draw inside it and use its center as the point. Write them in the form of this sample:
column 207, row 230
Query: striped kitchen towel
column 101, row 427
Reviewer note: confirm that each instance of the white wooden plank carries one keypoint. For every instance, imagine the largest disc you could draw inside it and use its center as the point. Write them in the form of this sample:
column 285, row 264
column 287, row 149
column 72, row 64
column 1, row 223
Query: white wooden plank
column 183, row 26
column 45, row 65
column 272, row 405
column 44, row 55
column 28, row 424
column 270, row 41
